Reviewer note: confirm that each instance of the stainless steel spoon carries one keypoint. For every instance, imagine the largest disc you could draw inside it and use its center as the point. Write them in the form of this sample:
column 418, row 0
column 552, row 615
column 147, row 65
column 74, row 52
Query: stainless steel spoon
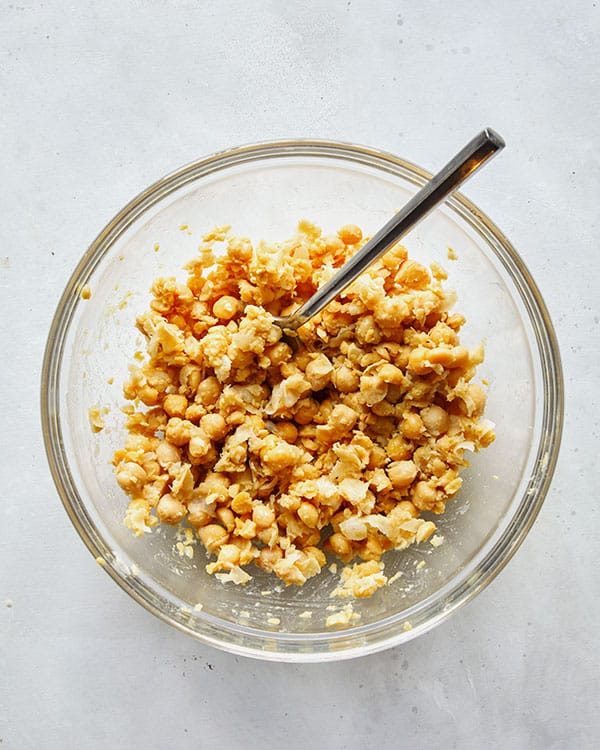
column 466, row 162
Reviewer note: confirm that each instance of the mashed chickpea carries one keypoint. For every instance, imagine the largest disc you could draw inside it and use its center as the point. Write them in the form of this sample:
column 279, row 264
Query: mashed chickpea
column 275, row 456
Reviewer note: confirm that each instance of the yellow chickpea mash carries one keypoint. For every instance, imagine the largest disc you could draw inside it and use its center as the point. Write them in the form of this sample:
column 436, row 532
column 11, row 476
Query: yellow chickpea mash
column 273, row 456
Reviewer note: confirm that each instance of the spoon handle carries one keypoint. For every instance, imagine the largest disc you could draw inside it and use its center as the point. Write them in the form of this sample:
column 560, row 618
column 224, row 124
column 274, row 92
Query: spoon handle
column 466, row 162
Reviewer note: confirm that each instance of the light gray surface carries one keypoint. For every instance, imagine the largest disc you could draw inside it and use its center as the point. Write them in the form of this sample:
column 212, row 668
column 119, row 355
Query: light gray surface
column 99, row 99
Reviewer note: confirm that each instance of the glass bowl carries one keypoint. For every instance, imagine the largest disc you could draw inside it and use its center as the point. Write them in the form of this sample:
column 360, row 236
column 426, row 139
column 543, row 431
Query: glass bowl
column 262, row 191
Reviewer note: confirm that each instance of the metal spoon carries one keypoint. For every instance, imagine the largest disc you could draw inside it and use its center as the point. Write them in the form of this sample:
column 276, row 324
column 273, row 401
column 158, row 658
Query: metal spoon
column 466, row 162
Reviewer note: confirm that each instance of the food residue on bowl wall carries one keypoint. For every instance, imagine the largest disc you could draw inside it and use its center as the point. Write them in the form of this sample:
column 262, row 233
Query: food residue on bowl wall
column 95, row 419
column 342, row 617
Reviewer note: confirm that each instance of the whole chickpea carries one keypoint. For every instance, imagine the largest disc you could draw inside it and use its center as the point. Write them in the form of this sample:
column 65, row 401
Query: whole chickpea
column 412, row 426
column 435, row 419
column 226, row 307
column 208, row 391
column 170, row 510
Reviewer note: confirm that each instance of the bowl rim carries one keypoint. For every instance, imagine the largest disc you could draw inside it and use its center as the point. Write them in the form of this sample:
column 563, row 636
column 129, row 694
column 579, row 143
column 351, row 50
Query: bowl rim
column 339, row 643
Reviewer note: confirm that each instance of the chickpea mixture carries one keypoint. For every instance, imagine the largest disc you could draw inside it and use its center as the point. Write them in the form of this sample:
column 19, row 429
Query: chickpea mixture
column 275, row 456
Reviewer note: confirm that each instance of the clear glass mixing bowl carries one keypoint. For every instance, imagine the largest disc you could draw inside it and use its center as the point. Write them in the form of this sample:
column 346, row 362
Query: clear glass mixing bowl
column 263, row 190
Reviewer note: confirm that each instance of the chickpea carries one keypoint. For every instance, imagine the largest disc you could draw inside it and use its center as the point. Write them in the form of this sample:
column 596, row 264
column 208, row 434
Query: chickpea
column 354, row 528
column 215, row 484
column 333, row 244
column 408, row 507
column 178, row 431
column 318, row 372
column 308, row 514
column 278, row 353
column 157, row 419
column 229, row 555
column 131, row 475
column 383, row 409
column 189, row 379
column 398, row 448
column 305, row 410
column 263, row 516
column 195, row 412
column 214, row 426
column 289, row 502
column 394, row 257
column 435, row 419
column 317, row 554
column 242, row 503
column 389, row 311
column 151, row 467
column 268, row 558
column 378, row 457
column 287, row 369
column 340, row 546
column 418, row 361
column 372, row 389
column 422, row 457
column 402, row 473
column 441, row 333
column 307, row 565
column 476, row 400
column 226, row 517
column 245, row 529
column 210, row 459
column 199, row 444
column 308, row 442
column 424, row 531
column 355, row 353
column 370, row 359
column 423, row 496
column 213, row 536
column 301, row 359
column 391, row 374
column 160, row 380
column 455, row 357
column 413, row 274
column 337, row 518
column 367, row 331
column 372, row 548
column 226, row 307
column 148, row 395
column 208, row 391
column 287, row 431
column 175, row 405
column 402, row 356
column 167, row 453
column 310, row 538
column 268, row 536
column 422, row 361
column 437, row 467
column 197, row 514
column 343, row 418
column 247, row 550
column 281, row 456
column 170, row 510
column 412, row 426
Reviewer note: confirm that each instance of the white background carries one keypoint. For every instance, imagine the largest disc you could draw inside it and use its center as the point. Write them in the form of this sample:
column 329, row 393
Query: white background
column 97, row 100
